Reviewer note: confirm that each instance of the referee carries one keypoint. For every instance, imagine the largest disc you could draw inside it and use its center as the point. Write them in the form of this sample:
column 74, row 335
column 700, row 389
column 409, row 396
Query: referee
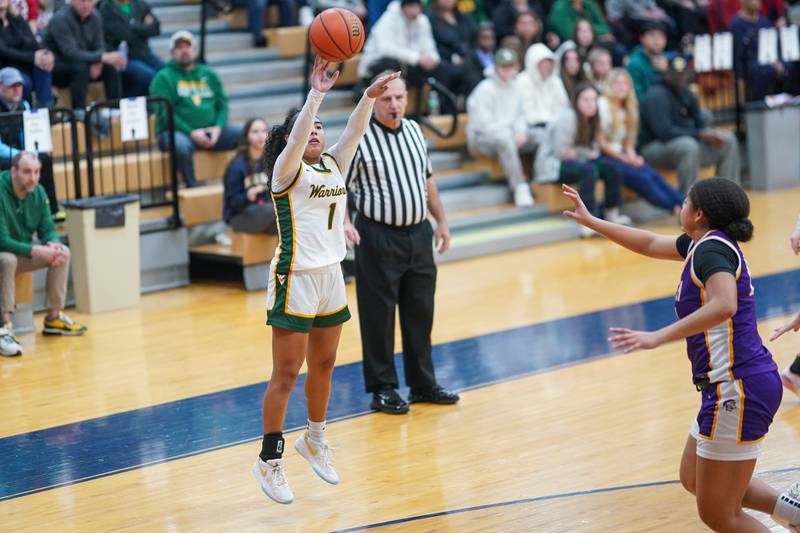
column 393, row 192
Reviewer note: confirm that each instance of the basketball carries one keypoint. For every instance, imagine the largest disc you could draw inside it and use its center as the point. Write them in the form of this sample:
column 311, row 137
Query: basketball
column 336, row 35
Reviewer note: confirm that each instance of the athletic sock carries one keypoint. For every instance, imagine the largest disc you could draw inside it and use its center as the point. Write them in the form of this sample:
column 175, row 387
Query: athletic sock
column 795, row 368
column 272, row 446
column 316, row 432
column 787, row 510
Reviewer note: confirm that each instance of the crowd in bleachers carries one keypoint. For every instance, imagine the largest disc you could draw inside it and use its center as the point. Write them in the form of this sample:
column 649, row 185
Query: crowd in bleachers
column 566, row 47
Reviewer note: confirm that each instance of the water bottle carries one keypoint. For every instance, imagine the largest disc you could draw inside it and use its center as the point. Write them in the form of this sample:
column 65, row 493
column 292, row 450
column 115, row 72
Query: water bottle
column 433, row 104
column 123, row 48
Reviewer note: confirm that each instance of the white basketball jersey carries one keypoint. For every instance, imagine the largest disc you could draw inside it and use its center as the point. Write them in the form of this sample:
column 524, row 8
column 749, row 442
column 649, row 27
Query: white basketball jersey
column 310, row 217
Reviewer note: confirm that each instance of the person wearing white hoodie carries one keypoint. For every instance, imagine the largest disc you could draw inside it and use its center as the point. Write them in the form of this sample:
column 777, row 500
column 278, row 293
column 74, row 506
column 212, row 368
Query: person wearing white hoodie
column 496, row 126
column 542, row 93
column 401, row 38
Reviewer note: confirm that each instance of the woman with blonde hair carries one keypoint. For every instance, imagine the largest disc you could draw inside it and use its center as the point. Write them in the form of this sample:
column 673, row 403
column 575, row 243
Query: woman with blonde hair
column 619, row 128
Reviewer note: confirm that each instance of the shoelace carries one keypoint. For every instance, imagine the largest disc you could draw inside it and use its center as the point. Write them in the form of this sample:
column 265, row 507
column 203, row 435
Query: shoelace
column 794, row 491
column 325, row 451
column 277, row 474
column 5, row 332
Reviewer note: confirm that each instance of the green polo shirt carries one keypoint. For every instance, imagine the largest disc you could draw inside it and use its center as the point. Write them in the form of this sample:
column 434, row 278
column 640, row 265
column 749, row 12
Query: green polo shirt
column 20, row 219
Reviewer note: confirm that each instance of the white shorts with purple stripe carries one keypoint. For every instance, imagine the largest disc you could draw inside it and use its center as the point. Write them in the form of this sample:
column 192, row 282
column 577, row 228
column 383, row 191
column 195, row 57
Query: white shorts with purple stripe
column 735, row 417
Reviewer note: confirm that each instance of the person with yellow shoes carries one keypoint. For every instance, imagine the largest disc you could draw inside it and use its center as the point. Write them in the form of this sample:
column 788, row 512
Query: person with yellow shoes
column 25, row 211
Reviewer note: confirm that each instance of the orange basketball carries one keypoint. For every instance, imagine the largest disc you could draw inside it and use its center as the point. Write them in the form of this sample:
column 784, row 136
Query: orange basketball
column 336, row 34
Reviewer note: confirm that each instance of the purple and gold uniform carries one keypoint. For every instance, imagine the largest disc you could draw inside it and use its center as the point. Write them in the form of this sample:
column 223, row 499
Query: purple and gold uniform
column 742, row 388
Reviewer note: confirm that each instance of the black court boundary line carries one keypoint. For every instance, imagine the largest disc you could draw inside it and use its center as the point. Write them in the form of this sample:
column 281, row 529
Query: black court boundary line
column 523, row 501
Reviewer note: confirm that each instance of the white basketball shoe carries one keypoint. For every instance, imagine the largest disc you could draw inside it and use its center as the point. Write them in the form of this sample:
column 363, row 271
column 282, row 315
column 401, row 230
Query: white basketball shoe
column 271, row 477
column 790, row 380
column 319, row 456
column 9, row 345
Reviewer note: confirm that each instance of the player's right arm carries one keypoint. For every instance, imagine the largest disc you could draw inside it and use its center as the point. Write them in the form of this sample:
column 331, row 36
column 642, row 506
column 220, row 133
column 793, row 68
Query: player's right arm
column 634, row 239
column 288, row 162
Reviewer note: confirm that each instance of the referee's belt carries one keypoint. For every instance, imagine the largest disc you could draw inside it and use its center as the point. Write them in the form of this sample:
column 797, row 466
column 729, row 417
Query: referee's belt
column 410, row 227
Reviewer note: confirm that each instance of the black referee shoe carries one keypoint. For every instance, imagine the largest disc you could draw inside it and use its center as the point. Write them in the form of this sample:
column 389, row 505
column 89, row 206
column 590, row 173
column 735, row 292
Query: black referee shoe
column 388, row 401
column 436, row 395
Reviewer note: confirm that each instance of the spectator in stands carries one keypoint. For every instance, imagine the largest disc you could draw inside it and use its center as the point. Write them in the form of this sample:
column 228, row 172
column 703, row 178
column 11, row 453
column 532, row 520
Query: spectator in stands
column 43, row 18
column 505, row 14
column 571, row 72
column 569, row 154
column 485, row 45
column 356, row 6
column 528, row 28
column 512, row 42
column 12, row 139
column 496, row 125
column 75, row 36
column 565, row 14
column 761, row 80
column 721, row 13
column 597, row 68
column 20, row 49
column 690, row 16
column 634, row 14
column 402, row 38
column 248, row 205
column 454, row 33
column 255, row 17
column 24, row 211
column 648, row 62
column 199, row 103
column 619, row 129
column 675, row 133
column 132, row 22
column 543, row 95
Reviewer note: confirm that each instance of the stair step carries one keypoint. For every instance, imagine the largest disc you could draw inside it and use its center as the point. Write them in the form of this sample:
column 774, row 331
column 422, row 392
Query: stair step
column 263, row 89
column 442, row 161
column 501, row 216
column 219, row 42
column 177, row 13
column 242, row 58
column 244, row 72
column 169, row 3
column 473, row 197
column 278, row 105
column 213, row 26
column 503, row 238
column 460, row 179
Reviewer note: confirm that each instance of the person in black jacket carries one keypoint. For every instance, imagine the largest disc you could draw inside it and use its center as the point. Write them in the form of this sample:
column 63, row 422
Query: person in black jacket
column 248, row 206
column 454, row 34
column 675, row 133
column 132, row 22
column 75, row 35
column 20, row 49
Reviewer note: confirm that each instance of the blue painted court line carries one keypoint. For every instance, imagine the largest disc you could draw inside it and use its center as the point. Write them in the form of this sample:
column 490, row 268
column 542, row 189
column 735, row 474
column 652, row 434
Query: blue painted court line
column 72, row 453
column 510, row 503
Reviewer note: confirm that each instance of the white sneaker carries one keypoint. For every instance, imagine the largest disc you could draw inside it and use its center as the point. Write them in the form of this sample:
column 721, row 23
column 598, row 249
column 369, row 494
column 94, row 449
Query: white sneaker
column 9, row 345
column 613, row 215
column 791, row 380
column 273, row 481
column 320, row 457
column 523, row 196
column 793, row 493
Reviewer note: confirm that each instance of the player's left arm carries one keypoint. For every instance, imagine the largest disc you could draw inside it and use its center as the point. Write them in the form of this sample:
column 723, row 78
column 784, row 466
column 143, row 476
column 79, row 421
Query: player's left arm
column 344, row 150
column 721, row 304
column 442, row 234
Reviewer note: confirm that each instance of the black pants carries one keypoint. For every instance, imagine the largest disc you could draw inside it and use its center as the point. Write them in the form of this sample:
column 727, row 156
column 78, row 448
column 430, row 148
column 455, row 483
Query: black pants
column 395, row 268
column 255, row 218
column 75, row 75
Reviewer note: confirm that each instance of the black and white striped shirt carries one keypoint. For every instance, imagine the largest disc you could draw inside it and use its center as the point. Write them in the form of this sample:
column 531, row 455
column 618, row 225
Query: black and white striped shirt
column 389, row 174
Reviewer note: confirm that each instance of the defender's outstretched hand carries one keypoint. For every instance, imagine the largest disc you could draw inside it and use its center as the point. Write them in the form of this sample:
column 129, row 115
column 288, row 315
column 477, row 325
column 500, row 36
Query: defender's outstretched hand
column 794, row 324
column 320, row 79
column 581, row 215
column 379, row 86
column 629, row 340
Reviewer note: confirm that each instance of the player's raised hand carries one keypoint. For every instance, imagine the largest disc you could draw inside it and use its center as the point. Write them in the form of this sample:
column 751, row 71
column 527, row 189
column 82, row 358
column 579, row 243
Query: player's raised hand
column 793, row 325
column 320, row 79
column 629, row 340
column 380, row 85
column 581, row 215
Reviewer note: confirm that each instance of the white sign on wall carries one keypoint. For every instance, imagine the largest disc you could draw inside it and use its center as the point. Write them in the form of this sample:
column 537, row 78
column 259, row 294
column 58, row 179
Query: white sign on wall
column 723, row 51
column 702, row 53
column 767, row 46
column 790, row 46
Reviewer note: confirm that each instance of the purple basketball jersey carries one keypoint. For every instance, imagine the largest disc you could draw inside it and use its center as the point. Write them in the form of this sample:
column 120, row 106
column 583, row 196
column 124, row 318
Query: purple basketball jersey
column 730, row 350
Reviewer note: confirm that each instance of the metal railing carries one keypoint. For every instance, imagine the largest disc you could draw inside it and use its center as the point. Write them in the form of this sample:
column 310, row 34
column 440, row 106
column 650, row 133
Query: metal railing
column 145, row 167
column 58, row 165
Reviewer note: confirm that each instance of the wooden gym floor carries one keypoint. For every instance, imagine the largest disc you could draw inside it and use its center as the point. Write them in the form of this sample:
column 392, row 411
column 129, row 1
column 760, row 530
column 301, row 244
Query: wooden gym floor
column 152, row 420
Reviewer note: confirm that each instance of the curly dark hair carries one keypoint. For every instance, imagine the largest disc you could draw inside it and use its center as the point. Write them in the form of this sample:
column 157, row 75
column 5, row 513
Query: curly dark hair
column 276, row 141
column 725, row 206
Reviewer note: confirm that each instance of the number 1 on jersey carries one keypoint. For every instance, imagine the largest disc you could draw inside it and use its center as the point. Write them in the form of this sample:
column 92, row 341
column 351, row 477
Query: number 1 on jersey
column 331, row 212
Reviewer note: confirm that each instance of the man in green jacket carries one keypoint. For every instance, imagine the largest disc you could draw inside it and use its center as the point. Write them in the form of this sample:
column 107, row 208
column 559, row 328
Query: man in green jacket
column 199, row 103
column 565, row 13
column 25, row 211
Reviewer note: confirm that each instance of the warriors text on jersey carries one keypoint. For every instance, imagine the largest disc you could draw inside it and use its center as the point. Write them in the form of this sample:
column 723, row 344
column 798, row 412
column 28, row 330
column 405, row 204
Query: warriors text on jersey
column 310, row 215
